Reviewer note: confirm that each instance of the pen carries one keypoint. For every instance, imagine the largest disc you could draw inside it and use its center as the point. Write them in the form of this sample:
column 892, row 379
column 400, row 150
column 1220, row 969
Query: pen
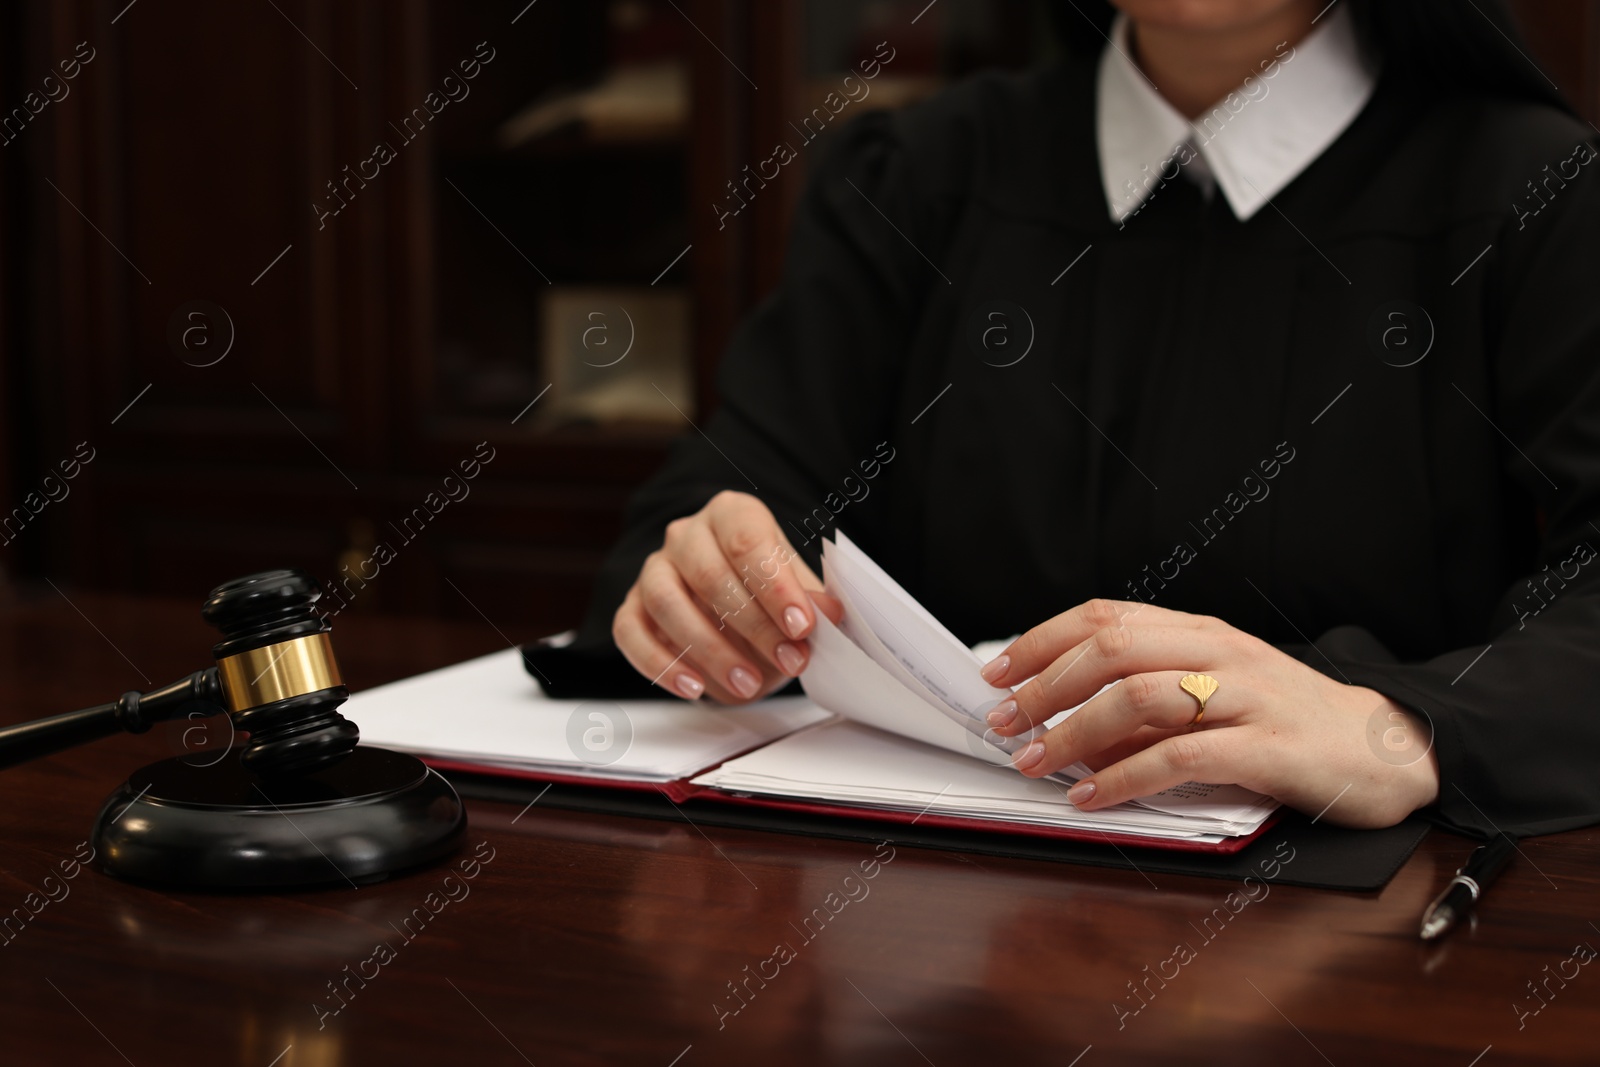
column 1466, row 888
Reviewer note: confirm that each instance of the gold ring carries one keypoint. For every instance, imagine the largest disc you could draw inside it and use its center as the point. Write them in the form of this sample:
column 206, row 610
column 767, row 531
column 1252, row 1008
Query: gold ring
column 1201, row 687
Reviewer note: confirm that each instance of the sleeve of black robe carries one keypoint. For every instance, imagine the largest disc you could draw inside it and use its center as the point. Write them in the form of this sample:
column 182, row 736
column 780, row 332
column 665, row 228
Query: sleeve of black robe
column 806, row 389
column 1517, row 726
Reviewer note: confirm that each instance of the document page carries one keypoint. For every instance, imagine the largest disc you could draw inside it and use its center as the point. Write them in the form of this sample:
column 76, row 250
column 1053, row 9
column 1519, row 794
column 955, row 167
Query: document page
column 905, row 640
column 921, row 644
column 490, row 710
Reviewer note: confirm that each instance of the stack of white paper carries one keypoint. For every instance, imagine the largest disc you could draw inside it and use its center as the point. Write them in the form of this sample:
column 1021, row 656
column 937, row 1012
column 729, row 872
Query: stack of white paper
column 892, row 666
column 842, row 762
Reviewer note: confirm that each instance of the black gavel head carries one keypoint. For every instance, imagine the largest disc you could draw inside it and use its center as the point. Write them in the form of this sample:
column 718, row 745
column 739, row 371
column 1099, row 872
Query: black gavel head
column 277, row 672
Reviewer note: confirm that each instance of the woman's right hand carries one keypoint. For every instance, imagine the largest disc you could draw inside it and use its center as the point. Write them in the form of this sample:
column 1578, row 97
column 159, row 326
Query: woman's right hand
column 723, row 607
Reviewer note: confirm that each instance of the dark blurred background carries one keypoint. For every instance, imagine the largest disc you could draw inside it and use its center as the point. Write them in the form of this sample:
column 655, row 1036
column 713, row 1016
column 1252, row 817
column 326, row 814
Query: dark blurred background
column 411, row 294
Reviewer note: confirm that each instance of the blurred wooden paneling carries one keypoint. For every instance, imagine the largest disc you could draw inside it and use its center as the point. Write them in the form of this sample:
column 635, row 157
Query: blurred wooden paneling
column 184, row 167
column 1564, row 36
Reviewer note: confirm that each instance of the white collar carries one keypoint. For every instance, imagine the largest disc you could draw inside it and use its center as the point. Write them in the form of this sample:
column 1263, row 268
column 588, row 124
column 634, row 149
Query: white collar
column 1253, row 143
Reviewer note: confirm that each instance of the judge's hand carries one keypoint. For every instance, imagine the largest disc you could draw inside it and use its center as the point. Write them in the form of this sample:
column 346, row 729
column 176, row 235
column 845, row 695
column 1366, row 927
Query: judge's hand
column 723, row 606
column 1274, row 725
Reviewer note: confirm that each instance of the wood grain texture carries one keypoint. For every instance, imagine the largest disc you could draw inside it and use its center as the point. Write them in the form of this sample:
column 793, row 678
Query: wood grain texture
column 591, row 939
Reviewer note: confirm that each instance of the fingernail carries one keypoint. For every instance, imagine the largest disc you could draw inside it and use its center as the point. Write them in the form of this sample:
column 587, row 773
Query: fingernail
column 690, row 686
column 996, row 669
column 790, row 659
column 743, row 682
column 1003, row 714
column 794, row 620
column 1082, row 791
column 1029, row 757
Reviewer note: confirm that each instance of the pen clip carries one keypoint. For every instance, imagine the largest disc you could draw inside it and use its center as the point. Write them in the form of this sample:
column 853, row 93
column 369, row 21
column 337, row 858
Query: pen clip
column 1472, row 858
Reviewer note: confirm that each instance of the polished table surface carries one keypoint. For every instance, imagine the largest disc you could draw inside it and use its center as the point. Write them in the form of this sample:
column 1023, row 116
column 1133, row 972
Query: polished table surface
column 585, row 938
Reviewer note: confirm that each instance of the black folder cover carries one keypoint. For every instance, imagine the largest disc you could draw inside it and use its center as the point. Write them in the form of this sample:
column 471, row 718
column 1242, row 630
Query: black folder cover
column 596, row 672
column 1325, row 856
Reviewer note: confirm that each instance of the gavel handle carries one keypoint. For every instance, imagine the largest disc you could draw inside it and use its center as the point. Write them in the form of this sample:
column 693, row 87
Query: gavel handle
column 133, row 713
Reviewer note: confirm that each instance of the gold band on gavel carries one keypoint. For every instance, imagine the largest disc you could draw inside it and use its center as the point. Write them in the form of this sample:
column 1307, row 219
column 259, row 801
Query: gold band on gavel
column 277, row 672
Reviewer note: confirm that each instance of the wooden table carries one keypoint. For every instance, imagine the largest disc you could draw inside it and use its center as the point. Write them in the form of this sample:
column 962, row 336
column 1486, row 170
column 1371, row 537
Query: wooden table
column 607, row 940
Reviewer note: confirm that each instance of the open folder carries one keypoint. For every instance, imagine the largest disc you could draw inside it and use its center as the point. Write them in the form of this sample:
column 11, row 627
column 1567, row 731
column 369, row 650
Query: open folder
column 891, row 728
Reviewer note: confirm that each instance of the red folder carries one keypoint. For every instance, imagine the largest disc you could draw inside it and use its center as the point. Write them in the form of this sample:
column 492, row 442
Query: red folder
column 682, row 791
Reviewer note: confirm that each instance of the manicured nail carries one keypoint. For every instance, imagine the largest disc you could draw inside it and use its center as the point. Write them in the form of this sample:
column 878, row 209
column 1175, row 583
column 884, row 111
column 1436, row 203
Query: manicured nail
column 1029, row 757
column 1003, row 714
column 690, row 686
column 996, row 669
column 743, row 682
column 794, row 620
column 790, row 659
column 1082, row 791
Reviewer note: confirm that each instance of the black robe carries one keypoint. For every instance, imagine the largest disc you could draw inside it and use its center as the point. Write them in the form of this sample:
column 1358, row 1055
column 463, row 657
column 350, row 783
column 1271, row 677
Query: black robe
column 1363, row 425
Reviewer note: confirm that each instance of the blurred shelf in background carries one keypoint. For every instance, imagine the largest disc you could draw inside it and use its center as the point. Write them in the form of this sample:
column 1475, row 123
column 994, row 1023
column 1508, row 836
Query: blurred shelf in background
column 413, row 294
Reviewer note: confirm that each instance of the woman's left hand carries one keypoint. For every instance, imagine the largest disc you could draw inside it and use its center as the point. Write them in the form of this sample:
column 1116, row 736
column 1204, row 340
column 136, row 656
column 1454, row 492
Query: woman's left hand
column 1274, row 725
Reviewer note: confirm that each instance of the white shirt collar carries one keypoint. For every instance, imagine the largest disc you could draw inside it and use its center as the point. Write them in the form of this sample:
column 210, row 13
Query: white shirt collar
column 1252, row 143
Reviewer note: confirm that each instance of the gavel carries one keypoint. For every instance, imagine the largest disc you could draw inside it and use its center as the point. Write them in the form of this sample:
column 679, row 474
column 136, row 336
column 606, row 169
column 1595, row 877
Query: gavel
column 359, row 813
column 275, row 676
